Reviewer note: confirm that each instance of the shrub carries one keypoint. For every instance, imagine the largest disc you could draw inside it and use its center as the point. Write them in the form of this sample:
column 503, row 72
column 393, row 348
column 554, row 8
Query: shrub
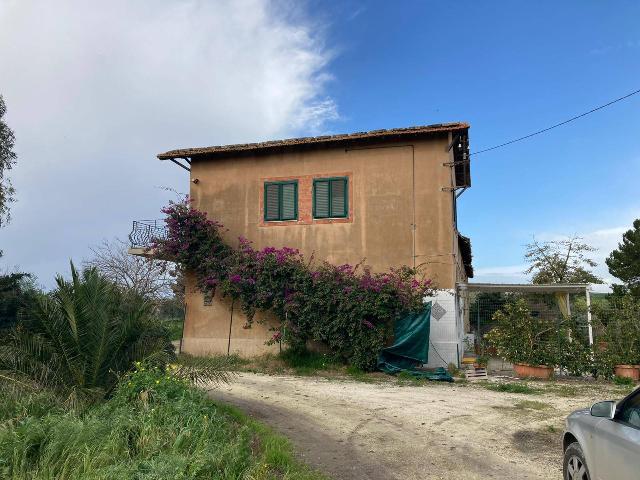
column 349, row 308
column 520, row 337
column 574, row 354
column 621, row 319
column 17, row 292
column 77, row 339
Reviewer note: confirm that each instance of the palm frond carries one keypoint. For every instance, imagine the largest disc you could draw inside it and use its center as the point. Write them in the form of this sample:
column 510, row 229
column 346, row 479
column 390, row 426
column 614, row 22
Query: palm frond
column 77, row 339
column 202, row 371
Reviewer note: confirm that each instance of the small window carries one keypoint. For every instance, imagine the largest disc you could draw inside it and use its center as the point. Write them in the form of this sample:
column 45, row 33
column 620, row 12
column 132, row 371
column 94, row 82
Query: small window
column 280, row 201
column 330, row 198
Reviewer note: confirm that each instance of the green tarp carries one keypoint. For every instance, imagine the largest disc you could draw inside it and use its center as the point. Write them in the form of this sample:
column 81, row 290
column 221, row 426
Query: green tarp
column 411, row 348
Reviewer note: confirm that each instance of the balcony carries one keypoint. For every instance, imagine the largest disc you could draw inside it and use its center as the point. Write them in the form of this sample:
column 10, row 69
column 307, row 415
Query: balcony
column 143, row 234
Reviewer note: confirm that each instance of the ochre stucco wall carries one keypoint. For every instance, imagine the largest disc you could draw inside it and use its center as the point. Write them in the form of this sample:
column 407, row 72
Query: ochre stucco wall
column 389, row 185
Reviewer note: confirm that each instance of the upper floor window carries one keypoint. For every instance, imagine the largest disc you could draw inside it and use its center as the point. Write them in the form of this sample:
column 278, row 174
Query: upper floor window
column 281, row 201
column 331, row 198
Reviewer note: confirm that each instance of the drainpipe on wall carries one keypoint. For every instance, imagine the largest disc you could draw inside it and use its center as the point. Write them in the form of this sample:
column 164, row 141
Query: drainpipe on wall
column 413, row 203
column 454, row 212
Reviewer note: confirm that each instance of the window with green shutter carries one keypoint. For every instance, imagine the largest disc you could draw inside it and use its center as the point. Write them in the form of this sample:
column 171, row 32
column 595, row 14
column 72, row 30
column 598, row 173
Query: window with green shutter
column 331, row 197
column 280, row 201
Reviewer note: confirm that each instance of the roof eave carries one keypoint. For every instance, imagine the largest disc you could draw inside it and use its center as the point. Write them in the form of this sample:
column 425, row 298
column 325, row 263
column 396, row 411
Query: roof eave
column 326, row 141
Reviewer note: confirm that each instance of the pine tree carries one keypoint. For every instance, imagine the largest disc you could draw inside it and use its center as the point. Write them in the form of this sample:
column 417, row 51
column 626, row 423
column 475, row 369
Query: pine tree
column 624, row 262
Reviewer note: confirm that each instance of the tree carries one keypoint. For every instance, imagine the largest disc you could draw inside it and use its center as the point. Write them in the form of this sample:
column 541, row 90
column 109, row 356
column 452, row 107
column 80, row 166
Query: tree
column 77, row 339
column 624, row 262
column 560, row 261
column 147, row 277
column 7, row 161
column 17, row 292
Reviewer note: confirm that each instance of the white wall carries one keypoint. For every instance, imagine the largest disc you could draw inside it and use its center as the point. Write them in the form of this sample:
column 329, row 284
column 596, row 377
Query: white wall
column 447, row 332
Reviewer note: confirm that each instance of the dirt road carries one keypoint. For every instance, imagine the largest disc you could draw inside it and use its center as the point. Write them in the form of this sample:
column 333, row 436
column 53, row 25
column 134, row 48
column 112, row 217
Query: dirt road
column 355, row 430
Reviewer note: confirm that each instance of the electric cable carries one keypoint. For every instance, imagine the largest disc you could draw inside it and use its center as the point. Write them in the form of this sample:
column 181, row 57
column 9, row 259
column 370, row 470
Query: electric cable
column 557, row 124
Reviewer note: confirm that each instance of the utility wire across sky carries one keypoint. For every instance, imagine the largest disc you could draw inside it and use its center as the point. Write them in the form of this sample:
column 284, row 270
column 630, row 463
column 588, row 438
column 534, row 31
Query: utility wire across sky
column 556, row 125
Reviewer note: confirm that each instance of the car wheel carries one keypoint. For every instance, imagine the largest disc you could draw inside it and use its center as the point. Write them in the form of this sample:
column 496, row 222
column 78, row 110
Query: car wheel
column 575, row 467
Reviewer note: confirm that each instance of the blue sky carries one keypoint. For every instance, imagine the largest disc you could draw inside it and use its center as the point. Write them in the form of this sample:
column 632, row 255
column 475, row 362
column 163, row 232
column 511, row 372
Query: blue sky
column 96, row 91
column 508, row 68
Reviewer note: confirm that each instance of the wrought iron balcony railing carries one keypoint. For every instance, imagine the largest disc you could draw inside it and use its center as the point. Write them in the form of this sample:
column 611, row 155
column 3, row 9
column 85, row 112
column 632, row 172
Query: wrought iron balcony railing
column 144, row 233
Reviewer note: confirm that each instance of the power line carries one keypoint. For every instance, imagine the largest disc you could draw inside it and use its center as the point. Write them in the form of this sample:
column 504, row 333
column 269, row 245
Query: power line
column 556, row 125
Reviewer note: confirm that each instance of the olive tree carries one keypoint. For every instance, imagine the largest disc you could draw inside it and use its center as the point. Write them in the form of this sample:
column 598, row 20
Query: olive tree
column 561, row 261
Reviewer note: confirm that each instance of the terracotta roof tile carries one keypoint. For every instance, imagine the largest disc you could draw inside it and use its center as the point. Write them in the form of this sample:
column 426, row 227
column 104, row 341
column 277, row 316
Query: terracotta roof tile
column 321, row 141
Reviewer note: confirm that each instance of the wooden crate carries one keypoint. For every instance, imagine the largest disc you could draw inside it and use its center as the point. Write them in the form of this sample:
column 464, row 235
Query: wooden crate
column 476, row 373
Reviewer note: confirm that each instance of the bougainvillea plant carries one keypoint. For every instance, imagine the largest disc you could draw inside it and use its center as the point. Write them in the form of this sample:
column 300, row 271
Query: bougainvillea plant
column 349, row 308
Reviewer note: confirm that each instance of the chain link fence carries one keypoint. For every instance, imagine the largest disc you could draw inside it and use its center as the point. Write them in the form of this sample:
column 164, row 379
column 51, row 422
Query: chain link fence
column 553, row 308
column 595, row 331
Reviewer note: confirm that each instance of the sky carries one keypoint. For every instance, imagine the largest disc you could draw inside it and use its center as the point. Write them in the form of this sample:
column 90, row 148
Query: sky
column 94, row 90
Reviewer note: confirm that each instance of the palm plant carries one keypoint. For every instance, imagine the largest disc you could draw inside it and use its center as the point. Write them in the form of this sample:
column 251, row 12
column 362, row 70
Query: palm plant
column 79, row 338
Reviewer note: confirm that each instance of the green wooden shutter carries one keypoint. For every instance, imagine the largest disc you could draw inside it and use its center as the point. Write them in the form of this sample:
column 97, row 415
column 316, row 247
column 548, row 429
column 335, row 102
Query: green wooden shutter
column 271, row 201
column 289, row 201
column 339, row 197
column 281, row 201
column 330, row 198
column 321, row 199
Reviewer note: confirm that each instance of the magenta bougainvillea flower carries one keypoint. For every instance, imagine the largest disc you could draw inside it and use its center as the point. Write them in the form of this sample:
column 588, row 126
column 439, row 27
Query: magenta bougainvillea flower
column 313, row 300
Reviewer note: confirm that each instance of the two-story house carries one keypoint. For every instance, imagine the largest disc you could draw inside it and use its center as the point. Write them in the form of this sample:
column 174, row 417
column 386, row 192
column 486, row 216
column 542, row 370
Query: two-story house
column 387, row 197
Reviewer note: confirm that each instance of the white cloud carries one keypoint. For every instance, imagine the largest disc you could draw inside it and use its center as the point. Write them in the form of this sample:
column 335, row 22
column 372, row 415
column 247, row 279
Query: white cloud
column 95, row 89
column 603, row 240
column 500, row 272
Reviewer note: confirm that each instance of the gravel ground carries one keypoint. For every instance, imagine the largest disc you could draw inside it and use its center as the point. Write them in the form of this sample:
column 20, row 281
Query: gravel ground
column 357, row 430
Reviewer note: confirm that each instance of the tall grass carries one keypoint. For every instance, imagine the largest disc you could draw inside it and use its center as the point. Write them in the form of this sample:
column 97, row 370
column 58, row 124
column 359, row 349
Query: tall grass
column 305, row 362
column 154, row 427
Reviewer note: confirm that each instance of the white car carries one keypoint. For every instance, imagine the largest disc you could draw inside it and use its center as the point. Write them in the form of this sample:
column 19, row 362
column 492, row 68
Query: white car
column 603, row 443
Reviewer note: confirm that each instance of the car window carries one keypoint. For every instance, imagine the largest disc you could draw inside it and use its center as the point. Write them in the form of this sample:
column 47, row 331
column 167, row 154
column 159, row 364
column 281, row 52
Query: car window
column 630, row 412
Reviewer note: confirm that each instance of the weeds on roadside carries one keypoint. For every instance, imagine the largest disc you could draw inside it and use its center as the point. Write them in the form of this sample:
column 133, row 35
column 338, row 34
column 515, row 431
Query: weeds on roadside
column 531, row 405
column 561, row 390
column 305, row 362
column 298, row 362
column 623, row 380
column 454, row 371
column 405, row 378
column 358, row 374
column 154, row 426
column 511, row 388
